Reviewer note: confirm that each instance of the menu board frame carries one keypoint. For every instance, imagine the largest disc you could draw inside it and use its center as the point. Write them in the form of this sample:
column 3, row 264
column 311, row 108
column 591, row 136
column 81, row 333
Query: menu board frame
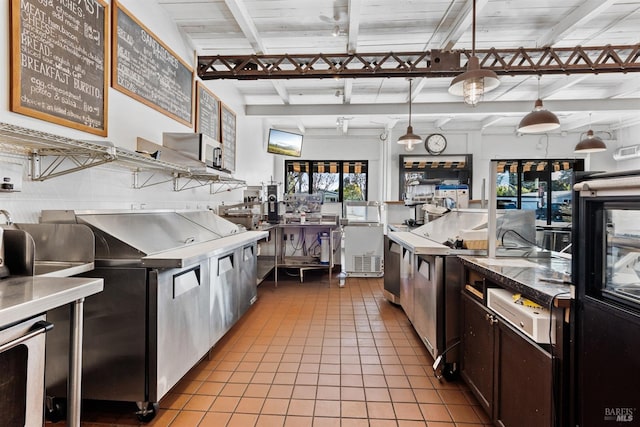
column 117, row 9
column 228, row 137
column 65, row 98
column 200, row 125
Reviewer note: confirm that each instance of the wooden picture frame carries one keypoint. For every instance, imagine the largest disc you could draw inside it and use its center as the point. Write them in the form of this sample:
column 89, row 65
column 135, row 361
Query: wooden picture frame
column 228, row 137
column 60, row 63
column 147, row 70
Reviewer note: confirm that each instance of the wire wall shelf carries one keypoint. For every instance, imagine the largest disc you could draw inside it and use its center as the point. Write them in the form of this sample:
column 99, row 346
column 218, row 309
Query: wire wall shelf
column 52, row 155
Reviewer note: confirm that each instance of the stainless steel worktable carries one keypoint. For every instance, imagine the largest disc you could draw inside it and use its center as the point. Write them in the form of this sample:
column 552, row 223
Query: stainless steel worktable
column 282, row 260
column 26, row 296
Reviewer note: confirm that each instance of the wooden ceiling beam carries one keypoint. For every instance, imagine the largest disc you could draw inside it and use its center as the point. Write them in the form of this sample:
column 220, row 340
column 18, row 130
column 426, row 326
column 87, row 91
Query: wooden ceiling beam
column 354, row 9
column 588, row 10
column 244, row 20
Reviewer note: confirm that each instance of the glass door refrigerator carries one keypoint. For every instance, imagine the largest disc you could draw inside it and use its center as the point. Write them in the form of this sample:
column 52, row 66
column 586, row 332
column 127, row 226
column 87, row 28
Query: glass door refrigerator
column 606, row 276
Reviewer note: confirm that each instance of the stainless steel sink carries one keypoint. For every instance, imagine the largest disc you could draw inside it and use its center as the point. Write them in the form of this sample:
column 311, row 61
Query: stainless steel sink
column 61, row 269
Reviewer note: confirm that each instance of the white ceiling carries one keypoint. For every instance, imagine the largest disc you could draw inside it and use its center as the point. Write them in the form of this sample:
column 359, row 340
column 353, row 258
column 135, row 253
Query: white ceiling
column 232, row 27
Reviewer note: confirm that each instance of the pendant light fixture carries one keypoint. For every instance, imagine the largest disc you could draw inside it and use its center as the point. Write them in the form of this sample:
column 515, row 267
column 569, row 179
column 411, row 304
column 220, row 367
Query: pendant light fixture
column 539, row 120
column 590, row 144
column 475, row 82
column 410, row 139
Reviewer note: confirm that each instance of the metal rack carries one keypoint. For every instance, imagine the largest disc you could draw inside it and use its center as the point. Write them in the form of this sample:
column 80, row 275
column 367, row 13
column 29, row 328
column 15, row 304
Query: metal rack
column 52, row 156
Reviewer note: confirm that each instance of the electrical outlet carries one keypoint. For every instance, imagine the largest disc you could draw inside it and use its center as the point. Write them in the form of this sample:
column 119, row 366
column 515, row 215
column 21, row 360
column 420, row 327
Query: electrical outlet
column 284, row 236
column 291, row 237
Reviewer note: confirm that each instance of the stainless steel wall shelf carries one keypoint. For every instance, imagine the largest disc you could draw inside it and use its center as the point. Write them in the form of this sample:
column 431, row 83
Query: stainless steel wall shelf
column 53, row 155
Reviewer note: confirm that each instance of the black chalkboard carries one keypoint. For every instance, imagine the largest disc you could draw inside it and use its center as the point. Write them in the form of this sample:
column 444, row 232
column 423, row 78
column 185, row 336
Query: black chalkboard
column 58, row 62
column 207, row 112
column 147, row 70
column 228, row 125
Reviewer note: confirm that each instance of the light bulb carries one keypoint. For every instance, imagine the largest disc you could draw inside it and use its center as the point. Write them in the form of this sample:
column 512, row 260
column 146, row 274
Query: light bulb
column 473, row 89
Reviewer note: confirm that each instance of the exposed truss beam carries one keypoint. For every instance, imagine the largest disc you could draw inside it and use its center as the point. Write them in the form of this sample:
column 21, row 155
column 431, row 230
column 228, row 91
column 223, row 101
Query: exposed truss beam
column 521, row 61
column 588, row 10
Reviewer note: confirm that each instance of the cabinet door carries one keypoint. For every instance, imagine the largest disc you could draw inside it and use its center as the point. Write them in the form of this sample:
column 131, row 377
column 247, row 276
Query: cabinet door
column 222, row 299
column 477, row 365
column 392, row 254
column 247, row 287
column 428, row 310
column 406, row 282
column 524, row 381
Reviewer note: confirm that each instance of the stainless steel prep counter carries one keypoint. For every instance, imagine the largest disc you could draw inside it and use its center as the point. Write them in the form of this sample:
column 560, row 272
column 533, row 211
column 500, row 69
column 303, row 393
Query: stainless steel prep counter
column 165, row 272
column 23, row 297
column 429, row 276
column 418, row 245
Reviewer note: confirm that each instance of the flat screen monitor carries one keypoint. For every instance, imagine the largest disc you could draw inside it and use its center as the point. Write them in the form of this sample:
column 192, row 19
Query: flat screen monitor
column 284, row 143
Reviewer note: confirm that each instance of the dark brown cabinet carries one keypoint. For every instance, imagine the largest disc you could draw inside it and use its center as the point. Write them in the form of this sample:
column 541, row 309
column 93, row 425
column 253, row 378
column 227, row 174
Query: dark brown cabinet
column 510, row 375
column 524, row 381
column 478, row 344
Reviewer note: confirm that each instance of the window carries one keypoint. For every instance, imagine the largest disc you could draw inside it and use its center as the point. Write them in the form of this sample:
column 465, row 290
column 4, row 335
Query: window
column 540, row 185
column 443, row 169
column 336, row 180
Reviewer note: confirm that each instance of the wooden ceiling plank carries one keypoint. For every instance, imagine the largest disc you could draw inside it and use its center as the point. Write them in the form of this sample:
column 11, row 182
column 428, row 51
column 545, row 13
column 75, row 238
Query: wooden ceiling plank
column 588, row 10
column 561, row 85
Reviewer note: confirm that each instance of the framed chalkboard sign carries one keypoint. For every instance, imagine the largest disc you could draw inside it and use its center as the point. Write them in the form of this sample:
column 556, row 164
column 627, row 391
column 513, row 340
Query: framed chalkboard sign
column 59, row 62
column 147, row 70
column 228, row 126
column 207, row 112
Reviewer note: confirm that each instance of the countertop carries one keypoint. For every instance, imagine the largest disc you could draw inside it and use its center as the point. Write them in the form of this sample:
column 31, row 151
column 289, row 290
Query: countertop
column 22, row 297
column 542, row 280
column 418, row 245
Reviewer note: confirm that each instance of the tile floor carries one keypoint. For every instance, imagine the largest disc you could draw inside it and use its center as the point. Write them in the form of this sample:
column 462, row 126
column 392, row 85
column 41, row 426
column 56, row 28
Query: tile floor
column 312, row 355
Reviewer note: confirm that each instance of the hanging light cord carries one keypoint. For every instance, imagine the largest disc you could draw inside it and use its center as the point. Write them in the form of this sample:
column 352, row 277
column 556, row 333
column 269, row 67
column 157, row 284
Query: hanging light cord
column 410, row 96
column 473, row 30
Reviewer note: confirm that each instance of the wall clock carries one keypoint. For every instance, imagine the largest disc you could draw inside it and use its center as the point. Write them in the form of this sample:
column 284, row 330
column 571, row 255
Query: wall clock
column 435, row 143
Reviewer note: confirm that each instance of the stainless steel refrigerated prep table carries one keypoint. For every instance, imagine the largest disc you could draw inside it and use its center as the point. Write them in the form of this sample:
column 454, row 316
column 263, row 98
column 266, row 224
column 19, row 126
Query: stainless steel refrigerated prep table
column 174, row 283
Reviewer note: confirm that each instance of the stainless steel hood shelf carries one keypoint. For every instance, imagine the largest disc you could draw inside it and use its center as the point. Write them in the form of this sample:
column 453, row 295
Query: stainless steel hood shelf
column 48, row 152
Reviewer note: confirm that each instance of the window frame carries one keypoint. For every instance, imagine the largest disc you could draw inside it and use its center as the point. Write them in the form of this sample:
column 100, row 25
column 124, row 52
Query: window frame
column 577, row 165
column 312, row 166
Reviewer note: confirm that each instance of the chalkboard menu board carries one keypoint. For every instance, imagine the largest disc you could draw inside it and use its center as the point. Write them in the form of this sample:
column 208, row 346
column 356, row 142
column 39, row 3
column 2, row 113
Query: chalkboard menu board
column 207, row 112
column 228, row 124
column 58, row 62
column 147, row 70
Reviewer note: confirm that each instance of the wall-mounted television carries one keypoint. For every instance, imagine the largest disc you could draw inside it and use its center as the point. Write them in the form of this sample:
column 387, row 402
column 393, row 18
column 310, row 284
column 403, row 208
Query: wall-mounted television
column 284, row 143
